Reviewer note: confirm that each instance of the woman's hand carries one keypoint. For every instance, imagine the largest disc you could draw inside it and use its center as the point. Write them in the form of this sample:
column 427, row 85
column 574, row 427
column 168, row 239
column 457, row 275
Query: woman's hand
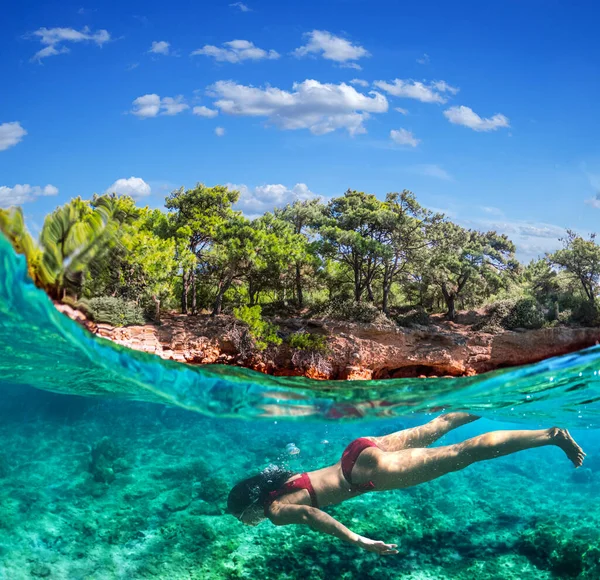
column 375, row 546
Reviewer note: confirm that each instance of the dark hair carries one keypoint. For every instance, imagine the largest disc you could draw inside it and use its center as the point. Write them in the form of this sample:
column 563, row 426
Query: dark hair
column 256, row 489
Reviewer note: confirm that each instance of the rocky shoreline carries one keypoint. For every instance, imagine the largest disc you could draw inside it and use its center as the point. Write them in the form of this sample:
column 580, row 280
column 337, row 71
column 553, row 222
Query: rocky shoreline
column 354, row 351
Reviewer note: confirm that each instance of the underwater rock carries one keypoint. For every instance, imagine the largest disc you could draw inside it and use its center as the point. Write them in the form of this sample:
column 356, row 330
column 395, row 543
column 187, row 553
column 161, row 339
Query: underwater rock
column 177, row 501
column 549, row 548
column 40, row 570
column 106, row 460
column 582, row 475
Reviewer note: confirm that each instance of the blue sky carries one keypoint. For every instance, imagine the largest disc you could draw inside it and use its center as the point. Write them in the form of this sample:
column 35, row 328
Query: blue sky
column 486, row 110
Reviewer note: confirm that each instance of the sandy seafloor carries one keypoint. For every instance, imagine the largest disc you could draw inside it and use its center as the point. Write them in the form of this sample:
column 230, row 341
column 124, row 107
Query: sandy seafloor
column 93, row 489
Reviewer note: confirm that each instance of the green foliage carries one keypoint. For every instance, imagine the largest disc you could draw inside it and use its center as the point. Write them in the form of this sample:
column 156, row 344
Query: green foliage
column 196, row 220
column 466, row 262
column 581, row 259
column 308, row 342
column 586, row 313
column 351, row 311
column 526, row 313
column 262, row 332
column 356, row 258
column 115, row 311
column 12, row 225
column 513, row 313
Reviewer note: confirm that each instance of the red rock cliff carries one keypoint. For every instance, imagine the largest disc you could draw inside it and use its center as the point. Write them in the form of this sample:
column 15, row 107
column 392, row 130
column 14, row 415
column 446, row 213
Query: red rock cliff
column 356, row 351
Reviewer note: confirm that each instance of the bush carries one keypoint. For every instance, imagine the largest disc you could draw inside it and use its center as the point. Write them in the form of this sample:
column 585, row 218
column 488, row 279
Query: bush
column 513, row 313
column 349, row 310
column 308, row 342
column 262, row 332
column 586, row 313
column 412, row 317
column 526, row 313
column 115, row 311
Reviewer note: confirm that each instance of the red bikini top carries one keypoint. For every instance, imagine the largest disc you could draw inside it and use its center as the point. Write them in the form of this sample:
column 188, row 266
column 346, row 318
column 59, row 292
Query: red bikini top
column 302, row 482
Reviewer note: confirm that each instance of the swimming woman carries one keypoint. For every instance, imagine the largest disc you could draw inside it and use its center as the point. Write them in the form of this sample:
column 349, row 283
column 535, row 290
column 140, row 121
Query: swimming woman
column 394, row 461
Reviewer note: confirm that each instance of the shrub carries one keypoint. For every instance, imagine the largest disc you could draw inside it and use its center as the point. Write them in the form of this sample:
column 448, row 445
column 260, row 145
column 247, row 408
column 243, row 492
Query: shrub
column 511, row 314
column 115, row 311
column 526, row 313
column 412, row 317
column 586, row 313
column 308, row 342
column 262, row 332
column 349, row 310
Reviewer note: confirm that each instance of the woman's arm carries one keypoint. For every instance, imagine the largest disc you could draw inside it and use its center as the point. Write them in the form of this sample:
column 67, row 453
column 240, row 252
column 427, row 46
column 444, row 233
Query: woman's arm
column 316, row 519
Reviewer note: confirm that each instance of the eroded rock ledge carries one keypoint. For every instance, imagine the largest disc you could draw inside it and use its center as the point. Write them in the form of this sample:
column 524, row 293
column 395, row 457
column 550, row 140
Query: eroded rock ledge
column 356, row 351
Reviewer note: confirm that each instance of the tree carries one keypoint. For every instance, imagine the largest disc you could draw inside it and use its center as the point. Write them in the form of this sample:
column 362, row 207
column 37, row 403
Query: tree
column 278, row 249
column 12, row 225
column 198, row 214
column 236, row 250
column 459, row 256
column 353, row 234
column 151, row 262
column 405, row 226
column 581, row 259
column 305, row 217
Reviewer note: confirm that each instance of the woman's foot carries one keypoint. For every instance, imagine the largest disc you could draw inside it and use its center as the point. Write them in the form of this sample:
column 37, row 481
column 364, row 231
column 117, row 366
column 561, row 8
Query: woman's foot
column 562, row 438
column 459, row 418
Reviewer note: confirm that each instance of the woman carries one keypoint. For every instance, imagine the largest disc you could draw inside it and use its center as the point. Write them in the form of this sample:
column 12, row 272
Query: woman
column 394, row 461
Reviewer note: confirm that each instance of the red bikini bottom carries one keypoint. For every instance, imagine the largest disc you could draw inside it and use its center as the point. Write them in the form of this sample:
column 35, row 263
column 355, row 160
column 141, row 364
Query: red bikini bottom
column 350, row 457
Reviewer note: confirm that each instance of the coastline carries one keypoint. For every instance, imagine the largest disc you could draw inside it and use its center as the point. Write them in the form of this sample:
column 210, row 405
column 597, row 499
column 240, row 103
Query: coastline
column 355, row 351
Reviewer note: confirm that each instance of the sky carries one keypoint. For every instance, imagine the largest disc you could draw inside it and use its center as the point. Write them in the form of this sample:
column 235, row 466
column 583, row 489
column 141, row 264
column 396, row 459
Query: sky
column 487, row 111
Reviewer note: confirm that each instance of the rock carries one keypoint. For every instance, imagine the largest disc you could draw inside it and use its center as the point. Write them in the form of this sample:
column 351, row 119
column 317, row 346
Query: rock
column 356, row 351
column 582, row 475
column 40, row 570
column 177, row 501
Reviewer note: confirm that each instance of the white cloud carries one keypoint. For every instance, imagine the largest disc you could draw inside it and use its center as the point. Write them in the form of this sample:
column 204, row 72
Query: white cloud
column 11, row 134
column 55, row 38
column 236, row 51
column 332, row 47
column 594, row 180
column 401, row 110
column 205, row 112
column 264, row 198
column 151, row 105
column 426, row 93
column 173, row 105
column 423, row 59
column 146, row 106
column 241, row 6
column 491, row 210
column 431, row 170
column 160, row 47
column 594, row 201
column 359, row 83
column 20, row 194
column 467, row 117
column 219, row 131
column 321, row 108
column 135, row 187
column 404, row 137
column 532, row 239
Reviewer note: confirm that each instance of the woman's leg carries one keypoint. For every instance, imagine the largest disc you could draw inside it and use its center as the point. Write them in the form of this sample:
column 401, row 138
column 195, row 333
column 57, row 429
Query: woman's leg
column 423, row 435
column 414, row 466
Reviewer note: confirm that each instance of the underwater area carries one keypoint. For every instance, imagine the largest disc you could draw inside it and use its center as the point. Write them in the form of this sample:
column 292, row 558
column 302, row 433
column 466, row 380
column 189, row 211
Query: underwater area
column 117, row 464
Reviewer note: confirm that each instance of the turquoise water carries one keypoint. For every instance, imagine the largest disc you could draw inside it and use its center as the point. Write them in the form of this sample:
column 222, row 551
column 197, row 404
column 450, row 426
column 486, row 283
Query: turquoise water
column 117, row 464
